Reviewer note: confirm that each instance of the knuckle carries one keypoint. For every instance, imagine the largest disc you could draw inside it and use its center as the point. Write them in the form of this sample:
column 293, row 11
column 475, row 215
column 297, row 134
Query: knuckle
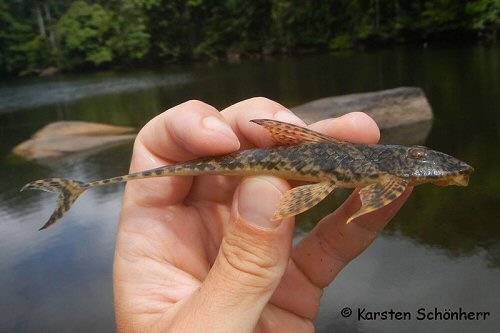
column 186, row 110
column 264, row 102
column 257, row 264
column 195, row 104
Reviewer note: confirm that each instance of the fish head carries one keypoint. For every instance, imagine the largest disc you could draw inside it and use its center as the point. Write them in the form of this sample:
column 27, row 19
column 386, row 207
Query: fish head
column 424, row 165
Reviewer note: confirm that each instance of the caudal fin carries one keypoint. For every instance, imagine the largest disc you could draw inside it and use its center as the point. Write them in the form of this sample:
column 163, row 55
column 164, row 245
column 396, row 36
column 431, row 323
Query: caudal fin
column 68, row 190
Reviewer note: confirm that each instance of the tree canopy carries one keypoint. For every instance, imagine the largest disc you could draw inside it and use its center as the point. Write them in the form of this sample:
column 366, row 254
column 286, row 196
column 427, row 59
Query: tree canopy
column 84, row 34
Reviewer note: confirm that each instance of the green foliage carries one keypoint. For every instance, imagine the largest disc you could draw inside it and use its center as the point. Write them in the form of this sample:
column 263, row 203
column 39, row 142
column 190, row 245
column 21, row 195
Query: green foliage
column 32, row 56
column 83, row 34
column 129, row 39
column 342, row 41
column 76, row 34
column 241, row 34
column 95, row 35
column 167, row 22
column 14, row 35
column 483, row 15
column 441, row 15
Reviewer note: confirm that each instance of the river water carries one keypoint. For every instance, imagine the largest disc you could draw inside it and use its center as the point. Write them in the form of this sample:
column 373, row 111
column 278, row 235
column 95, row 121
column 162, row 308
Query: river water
column 441, row 253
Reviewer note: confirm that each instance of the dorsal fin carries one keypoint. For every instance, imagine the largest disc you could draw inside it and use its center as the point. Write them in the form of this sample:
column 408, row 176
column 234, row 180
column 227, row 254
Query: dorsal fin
column 288, row 134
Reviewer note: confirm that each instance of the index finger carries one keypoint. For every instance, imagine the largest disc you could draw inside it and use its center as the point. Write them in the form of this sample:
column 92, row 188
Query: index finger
column 353, row 127
column 187, row 131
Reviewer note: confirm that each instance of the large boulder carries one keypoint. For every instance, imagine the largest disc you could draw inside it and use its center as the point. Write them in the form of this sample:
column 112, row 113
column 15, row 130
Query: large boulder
column 68, row 138
column 69, row 128
column 403, row 114
column 389, row 108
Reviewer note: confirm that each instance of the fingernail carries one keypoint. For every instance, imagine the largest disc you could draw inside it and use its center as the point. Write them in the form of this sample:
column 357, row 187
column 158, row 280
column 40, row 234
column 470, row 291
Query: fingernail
column 257, row 201
column 215, row 124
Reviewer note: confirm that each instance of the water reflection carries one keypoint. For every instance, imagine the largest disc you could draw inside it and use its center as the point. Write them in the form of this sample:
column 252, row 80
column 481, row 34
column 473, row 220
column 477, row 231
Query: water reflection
column 69, row 268
column 61, row 90
column 417, row 279
column 43, row 273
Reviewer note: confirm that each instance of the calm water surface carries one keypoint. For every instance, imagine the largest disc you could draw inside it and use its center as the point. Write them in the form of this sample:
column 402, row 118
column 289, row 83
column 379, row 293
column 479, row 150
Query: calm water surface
column 442, row 250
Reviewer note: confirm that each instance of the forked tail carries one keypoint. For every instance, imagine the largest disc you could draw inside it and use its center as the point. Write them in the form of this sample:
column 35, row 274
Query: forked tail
column 68, row 190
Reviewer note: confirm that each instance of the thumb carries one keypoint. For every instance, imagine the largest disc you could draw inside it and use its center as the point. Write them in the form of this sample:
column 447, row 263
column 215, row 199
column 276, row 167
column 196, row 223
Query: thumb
column 255, row 250
column 252, row 257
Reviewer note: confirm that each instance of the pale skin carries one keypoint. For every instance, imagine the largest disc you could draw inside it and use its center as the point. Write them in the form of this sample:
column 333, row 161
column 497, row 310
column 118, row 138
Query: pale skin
column 202, row 255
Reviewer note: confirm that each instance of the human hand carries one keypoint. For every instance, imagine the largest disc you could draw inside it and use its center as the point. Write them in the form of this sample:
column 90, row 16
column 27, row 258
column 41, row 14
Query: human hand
column 200, row 254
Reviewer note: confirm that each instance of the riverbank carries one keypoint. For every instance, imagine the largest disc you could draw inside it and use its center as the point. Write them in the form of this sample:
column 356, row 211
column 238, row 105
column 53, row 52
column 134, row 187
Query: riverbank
column 78, row 36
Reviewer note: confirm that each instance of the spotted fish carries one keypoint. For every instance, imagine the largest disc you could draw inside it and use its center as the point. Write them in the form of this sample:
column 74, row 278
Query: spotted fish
column 381, row 171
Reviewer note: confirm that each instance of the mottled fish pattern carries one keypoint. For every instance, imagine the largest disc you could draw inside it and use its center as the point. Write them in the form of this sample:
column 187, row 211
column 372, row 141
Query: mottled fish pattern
column 381, row 171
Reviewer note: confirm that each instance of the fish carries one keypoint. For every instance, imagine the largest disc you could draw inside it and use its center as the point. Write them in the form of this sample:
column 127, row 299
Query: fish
column 382, row 172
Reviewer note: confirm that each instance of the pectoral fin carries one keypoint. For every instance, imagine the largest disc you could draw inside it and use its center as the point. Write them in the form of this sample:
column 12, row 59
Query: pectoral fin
column 378, row 195
column 301, row 198
column 288, row 134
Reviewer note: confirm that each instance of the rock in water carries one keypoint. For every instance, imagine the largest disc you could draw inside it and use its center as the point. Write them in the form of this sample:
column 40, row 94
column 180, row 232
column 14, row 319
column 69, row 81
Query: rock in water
column 389, row 108
column 67, row 128
column 67, row 138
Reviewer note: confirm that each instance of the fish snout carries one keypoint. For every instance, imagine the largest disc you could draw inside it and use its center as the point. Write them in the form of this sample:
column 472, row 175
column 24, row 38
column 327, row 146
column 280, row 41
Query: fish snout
column 465, row 169
column 462, row 177
column 455, row 172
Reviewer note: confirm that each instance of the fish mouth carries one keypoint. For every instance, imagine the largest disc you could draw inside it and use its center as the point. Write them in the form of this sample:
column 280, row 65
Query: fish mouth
column 462, row 178
column 459, row 179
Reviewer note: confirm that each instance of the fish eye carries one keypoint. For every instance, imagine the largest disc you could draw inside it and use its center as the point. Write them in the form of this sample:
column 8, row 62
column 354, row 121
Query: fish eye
column 417, row 153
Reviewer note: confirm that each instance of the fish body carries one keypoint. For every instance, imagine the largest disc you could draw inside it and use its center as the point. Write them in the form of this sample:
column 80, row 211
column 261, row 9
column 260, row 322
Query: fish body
column 381, row 171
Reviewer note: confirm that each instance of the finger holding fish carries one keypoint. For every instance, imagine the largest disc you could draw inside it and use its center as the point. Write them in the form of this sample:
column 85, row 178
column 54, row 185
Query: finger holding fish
column 333, row 242
column 355, row 127
column 184, row 132
column 249, row 135
column 166, row 140
column 311, row 268
column 239, row 116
